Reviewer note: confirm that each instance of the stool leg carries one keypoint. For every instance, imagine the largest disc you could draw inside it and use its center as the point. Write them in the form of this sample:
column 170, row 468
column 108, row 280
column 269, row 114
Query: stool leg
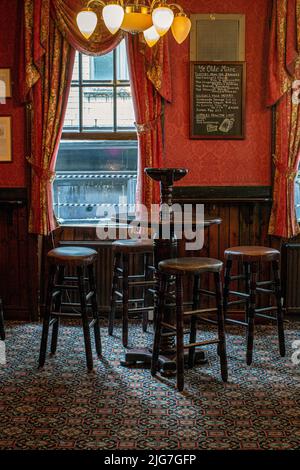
column 93, row 288
column 2, row 331
column 57, row 305
column 125, row 300
column 221, row 329
column 227, row 280
column 146, row 291
column 251, row 313
column 247, row 288
column 179, row 335
column 47, row 315
column 117, row 258
column 193, row 333
column 275, row 265
column 157, row 323
column 84, row 318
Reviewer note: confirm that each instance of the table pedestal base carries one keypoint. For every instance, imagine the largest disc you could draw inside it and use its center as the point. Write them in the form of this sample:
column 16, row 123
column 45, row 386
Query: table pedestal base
column 167, row 364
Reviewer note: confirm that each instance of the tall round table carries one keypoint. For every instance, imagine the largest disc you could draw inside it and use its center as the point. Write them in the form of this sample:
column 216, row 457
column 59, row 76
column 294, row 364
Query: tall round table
column 164, row 249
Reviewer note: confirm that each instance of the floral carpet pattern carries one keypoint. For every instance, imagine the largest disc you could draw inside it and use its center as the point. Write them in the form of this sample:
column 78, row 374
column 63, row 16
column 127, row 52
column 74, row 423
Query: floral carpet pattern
column 64, row 407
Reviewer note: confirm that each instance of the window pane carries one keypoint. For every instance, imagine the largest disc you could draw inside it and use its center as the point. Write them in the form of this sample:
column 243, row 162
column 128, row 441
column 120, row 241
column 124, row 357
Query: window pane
column 98, row 108
column 72, row 113
column 97, row 68
column 91, row 176
column 125, row 114
column 121, row 60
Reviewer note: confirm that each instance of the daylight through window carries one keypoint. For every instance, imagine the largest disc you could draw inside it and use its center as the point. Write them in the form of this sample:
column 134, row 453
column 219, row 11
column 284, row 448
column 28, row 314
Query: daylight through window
column 97, row 158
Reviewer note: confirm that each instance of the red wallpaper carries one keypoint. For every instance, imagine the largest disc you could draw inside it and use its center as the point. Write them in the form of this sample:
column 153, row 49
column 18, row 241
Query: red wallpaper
column 12, row 174
column 233, row 163
column 246, row 162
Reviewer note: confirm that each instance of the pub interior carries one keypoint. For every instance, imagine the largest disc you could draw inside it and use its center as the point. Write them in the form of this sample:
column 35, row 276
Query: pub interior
column 149, row 225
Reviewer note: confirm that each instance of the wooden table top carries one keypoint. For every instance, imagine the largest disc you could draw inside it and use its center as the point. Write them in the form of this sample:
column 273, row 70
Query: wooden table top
column 128, row 219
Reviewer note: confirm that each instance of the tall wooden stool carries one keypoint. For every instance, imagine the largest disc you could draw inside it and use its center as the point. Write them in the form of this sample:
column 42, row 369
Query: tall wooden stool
column 250, row 257
column 2, row 330
column 59, row 259
column 180, row 267
column 122, row 250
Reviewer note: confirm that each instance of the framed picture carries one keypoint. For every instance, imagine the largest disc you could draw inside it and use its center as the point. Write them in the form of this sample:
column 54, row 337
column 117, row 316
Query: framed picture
column 217, row 100
column 5, row 139
column 5, row 84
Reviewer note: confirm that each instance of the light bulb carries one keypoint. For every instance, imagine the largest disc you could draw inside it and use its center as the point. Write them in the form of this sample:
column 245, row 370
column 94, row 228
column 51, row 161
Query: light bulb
column 151, row 36
column 162, row 19
column 86, row 22
column 113, row 17
column 181, row 27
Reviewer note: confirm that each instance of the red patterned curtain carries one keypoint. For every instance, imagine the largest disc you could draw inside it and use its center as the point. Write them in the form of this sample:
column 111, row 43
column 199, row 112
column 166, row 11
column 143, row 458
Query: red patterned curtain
column 150, row 83
column 284, row 70
column 50, row 38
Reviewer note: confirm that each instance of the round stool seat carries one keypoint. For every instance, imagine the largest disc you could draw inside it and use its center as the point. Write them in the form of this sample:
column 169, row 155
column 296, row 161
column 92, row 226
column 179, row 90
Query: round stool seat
column 75, row 255
column 252, row 253
column 133, row 246
column 190, row 265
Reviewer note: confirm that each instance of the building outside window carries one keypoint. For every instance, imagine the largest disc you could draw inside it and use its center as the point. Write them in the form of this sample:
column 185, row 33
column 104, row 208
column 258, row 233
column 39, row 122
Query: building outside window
column 97, row 158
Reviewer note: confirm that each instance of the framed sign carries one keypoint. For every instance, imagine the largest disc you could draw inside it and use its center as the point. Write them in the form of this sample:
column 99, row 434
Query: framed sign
column 217, row 100
column 5, row 83
column 5, row 139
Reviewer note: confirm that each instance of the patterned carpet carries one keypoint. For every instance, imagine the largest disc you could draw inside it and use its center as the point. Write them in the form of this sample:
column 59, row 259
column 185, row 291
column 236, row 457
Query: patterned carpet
column 64, row 407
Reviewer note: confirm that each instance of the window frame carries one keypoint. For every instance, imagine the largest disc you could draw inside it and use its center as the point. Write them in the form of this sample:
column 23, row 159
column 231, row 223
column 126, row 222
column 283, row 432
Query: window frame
column 81, row 135
column 80, row 84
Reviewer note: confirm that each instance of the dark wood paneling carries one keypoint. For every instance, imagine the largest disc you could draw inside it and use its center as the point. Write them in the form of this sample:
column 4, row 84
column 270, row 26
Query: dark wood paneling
column 243, row 222
column 13, row 194
column 291, row 275
column 221, row 194
column 19, row 275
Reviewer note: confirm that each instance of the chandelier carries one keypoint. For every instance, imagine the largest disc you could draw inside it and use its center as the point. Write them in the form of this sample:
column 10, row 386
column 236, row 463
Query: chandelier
column 152, row 17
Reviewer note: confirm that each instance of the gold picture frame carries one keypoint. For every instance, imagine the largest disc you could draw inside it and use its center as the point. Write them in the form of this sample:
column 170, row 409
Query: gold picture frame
column 5, row 84
column 5, row 139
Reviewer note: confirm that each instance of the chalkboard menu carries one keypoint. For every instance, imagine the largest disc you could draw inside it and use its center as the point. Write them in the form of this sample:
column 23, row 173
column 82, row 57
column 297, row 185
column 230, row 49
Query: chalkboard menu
column 217, row 92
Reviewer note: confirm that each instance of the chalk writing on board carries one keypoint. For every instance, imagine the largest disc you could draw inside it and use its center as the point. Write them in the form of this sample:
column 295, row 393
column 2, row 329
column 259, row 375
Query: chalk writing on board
column 217, row 100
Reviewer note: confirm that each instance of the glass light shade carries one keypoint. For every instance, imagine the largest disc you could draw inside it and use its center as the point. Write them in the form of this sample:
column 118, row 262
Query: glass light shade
column 162, row 19
column 151, row 36
column 181, row 27
column 86, row 22
column 113, row 16
column 136, row 19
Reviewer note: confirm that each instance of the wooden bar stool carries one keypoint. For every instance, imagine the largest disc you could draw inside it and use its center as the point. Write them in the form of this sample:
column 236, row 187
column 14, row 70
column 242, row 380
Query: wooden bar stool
column 122, row 250
column 180, row 267
column 2, row 330
column 59, row 259
column 250, row 257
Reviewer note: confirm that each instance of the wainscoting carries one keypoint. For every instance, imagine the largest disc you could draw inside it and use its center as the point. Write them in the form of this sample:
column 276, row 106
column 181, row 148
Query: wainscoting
column 19, row 255
column 244, row 211
column 290, row 274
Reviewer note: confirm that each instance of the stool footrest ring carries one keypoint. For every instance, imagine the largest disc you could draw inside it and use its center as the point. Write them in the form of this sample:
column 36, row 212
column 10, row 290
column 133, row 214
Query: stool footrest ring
column 199, row 311
column 201, row 343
